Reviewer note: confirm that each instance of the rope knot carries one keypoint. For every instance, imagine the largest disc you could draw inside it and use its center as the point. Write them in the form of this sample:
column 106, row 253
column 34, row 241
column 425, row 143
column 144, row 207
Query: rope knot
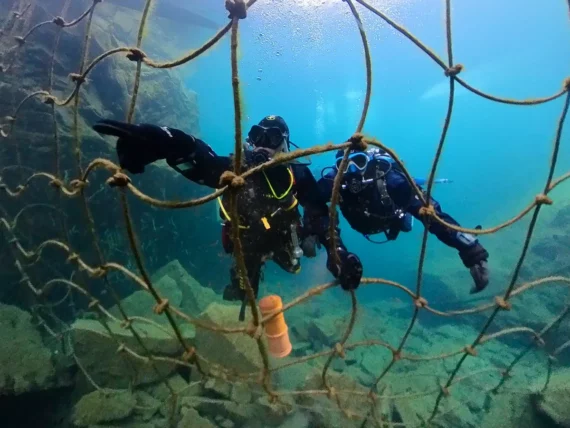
column 566, row 84
column 332, row 393
column 136, row 55
column 58, row 20
column 189, row 354
column 453, row 71
column 77, row 184
column 77, row 78
column 543, row 199
column 428, row 211
column 98, row 272
column 119, row 179
column 231, row 179
column 49, row 100
column 339, row 349
column 254, row 331
column 420, row 302
column 20, row 40
column 236, row 8
column 503, row 304
column 470, row 350
column 126, row 323
column 445, row 391
column 357, row 142
column 159, row 308
column 55, row 183
column 73, row 257
column 396, row 355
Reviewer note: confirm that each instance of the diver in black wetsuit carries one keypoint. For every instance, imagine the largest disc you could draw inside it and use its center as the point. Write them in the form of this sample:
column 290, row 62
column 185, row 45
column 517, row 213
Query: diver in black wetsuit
column 375, row 197
column 270, row 222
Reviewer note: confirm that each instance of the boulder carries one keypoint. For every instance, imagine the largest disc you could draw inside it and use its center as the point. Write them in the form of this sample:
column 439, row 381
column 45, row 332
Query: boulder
column 194, row 298
column 103, row 406
column 554, row 403
column 192, row 419
column 141, row 303
column 97, row 353
column 326, row 330
column 25, row 363
column 234, row 351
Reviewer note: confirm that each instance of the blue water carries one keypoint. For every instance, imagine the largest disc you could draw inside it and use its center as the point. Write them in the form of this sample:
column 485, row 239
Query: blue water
column 304, row 61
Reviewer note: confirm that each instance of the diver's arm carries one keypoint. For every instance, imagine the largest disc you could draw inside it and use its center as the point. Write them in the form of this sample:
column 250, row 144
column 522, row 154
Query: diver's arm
column 403, row 196
column 142, row 144
column 198, row 162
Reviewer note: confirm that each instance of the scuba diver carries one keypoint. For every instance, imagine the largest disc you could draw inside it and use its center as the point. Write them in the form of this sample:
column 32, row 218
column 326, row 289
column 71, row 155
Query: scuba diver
column 376, row 197
column 270, row 222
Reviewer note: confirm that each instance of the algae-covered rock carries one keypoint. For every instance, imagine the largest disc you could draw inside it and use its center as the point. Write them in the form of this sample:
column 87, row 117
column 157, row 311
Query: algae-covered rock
column 234, row 351
column 103, row 406
column 25, row 363
column 192, row 419
column 511, row 411
column 195, row 298
column 141, row 303
column 325, row 330
column 554, row 402
column 97, row 352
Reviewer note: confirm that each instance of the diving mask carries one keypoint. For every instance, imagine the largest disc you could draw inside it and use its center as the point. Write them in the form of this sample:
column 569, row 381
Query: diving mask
column 271, row 138
column 357, row 162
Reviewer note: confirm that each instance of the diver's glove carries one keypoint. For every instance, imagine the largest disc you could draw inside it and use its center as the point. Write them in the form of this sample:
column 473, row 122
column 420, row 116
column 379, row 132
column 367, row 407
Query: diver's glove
column 349, row 272
column 475, row 259
column 143, row 144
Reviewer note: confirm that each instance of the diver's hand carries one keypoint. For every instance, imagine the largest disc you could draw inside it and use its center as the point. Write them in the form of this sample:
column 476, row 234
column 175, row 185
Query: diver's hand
column 139, row 145
column 349, row 272
column 475, row 259
column 480, row 275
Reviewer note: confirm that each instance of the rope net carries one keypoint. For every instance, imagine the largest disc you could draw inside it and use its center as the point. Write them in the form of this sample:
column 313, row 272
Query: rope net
column 32, row 247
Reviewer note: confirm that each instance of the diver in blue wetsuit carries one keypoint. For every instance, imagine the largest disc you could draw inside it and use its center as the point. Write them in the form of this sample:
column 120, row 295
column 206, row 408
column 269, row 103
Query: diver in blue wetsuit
column 271, row 226
column 375, row 197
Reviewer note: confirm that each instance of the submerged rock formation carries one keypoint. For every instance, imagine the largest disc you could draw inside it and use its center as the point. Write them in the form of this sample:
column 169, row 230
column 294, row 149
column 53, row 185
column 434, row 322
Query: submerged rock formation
column 26, row 364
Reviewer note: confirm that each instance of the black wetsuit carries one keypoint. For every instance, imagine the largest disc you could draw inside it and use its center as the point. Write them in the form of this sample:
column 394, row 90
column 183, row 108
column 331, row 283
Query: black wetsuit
column 267, row 206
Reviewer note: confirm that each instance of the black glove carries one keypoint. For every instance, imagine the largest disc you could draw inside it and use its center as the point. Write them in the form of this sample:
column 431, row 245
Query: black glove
column 475, row 259
column 140, row 145
column 349, row 272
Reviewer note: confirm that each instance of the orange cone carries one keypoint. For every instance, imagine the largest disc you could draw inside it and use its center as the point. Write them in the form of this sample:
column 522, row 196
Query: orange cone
column 276, row 329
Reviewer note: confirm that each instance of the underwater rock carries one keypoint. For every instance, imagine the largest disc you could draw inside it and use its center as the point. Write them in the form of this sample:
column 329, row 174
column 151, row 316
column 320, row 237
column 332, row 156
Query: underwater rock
column 554, row 402
column 546, row 249
column 562, row 217
column 141, row 303
column 192, row 419
column 325, row 330
column 234, row 351
column 97, row 352
column 103, row 406
column 195, row 298
column 25, row 363
column 147, row 406
column 217, row 388
column 241, row 393
column 511, row 411
column 182, row 388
